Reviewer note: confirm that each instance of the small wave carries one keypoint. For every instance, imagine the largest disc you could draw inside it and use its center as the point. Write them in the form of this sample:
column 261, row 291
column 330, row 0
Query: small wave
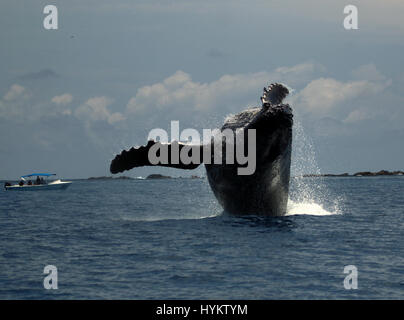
column 308, row 208
column 164, row 218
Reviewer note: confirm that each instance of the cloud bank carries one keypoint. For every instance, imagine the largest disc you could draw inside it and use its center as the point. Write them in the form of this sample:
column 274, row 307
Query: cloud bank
column 327, row 107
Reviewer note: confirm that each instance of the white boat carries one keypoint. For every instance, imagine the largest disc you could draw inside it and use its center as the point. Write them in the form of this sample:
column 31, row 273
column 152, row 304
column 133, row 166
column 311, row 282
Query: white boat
column 38, row 183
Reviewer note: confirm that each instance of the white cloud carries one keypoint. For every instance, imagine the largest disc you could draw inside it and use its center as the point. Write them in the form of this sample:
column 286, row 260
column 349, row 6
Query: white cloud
column 67, row 112
column 368, row 72
column 323, row 95
column 319, row 97
column 179, row 91
column 299, row 73
column 229, row 92
column 358, row 115
column 14, row 92
column 63, row 99
column 14, row 103
column 96, row 109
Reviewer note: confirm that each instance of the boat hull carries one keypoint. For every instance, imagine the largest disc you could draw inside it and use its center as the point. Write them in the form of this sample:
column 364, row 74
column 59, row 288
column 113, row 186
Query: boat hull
column 51, row 186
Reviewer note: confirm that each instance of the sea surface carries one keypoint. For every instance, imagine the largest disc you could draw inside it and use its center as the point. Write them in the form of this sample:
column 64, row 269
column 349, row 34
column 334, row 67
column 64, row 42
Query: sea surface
column 169, row 239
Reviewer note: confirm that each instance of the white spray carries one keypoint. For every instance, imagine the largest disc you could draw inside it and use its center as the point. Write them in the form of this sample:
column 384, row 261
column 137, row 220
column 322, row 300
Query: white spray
column 308, row 195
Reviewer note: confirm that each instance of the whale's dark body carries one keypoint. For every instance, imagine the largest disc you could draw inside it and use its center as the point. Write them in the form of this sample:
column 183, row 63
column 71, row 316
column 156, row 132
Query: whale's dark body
column 264, row 192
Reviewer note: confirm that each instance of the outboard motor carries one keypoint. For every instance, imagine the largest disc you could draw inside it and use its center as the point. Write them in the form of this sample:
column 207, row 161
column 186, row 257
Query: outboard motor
column 7, row 184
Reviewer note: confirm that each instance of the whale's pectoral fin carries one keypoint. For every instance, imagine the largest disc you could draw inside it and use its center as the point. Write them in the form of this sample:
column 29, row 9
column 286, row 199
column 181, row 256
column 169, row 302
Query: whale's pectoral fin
column 174, row 155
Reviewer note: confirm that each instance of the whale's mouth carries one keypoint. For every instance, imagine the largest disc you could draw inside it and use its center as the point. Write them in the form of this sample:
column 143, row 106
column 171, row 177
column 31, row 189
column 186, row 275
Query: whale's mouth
column 274, row 94
column 273, row 111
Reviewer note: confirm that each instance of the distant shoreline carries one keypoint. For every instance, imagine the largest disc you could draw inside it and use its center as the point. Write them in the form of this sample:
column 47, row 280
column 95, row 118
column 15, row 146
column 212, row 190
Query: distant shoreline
column 110, row 178
column 149, row 177
column 359, row 174
column 309, row 175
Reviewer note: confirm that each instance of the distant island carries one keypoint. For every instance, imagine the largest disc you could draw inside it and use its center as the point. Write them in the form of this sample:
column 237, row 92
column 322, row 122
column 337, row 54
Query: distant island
column 359, row 174
column 160, row 176
column 110, row 178
column 196, row 177
column 157, row 176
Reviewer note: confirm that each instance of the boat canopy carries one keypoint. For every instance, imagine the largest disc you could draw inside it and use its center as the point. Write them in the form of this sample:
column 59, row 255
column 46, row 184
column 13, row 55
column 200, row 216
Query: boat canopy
column 39, row 175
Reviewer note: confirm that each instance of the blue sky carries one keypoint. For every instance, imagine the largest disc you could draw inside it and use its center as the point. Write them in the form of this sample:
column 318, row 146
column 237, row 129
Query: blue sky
column 71, row 98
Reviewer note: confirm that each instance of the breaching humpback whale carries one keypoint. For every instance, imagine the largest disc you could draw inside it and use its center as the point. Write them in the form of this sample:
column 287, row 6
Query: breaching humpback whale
column 265, row 191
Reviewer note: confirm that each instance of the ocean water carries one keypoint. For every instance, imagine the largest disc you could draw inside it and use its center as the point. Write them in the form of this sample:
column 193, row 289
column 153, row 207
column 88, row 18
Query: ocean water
column 169, row 239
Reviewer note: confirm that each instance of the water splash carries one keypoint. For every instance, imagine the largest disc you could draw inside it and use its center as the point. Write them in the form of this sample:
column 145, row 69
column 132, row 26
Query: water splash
column 309, row 208
column 308, row 195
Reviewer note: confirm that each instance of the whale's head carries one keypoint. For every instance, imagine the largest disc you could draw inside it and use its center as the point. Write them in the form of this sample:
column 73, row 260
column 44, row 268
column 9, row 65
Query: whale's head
column 272, row 121
column 271, row 115
column 274, row 94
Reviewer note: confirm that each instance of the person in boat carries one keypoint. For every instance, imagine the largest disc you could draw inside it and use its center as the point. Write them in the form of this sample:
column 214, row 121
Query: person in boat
column 21, row 183
column 38, row 181
column 29, row 183
column 42, row 180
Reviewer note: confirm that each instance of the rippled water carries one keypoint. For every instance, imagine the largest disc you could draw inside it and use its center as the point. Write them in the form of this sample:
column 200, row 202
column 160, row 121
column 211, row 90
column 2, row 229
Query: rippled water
column 168, row 239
